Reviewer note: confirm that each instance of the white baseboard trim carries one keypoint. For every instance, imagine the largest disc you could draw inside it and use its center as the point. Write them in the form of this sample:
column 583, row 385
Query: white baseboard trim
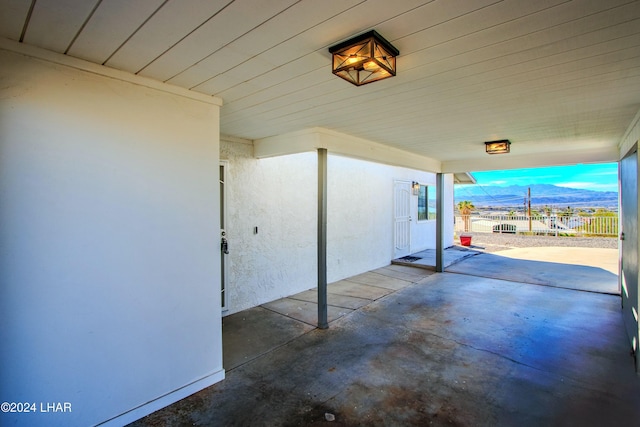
column 163, row 401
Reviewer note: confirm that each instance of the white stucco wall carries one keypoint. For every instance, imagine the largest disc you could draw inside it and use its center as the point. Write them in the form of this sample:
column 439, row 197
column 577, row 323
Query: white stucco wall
column 109, row 266
column 279, row 196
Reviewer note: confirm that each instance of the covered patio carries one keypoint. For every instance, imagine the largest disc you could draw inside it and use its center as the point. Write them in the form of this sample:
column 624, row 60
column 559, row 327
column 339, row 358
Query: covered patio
column 443, row 349
column 117, row 121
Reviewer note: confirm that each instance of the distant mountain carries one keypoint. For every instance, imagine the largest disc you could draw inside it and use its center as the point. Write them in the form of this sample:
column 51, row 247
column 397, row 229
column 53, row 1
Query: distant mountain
column 541, row 195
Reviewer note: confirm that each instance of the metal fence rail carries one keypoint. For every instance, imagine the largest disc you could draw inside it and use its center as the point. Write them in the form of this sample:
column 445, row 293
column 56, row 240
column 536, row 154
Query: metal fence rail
column 539, row 225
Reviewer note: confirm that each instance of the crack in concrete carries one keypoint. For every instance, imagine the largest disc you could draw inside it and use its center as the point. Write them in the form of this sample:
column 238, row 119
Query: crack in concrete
column 586, row 385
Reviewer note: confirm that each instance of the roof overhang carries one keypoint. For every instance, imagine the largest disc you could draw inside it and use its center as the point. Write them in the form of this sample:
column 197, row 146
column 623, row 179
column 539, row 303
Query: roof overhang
column 463, row 178
column 509, row 161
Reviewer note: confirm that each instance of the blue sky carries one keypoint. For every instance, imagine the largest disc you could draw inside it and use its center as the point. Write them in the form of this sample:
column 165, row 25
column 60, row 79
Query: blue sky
column 597, row 177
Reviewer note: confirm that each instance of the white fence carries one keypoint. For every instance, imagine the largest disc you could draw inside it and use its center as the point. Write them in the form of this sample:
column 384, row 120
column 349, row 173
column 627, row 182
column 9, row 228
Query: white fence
column 540, row 225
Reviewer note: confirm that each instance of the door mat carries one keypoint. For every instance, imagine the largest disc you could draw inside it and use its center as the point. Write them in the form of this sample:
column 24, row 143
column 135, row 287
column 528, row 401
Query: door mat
column 409, row 258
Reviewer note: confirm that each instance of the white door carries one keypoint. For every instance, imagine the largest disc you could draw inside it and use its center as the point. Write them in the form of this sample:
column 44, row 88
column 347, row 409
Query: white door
column 402, row 218
column 629, row 236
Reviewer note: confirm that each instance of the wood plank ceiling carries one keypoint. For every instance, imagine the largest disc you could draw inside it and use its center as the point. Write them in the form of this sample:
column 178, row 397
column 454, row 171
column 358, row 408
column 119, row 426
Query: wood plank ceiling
column 551, row 75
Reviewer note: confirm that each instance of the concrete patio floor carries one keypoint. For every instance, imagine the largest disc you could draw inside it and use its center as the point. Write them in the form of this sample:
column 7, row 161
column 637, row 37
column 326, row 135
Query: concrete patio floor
column 409, row 347
column 583, row 269
column 244, row 333
column 427, row 259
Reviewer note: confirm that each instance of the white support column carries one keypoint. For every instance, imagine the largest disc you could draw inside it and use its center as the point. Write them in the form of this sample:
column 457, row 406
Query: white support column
column 322, row 238
column 439, row 222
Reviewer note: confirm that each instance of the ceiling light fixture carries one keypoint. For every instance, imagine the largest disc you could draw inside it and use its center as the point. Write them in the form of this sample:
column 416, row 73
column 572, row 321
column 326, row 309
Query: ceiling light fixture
column 498, row 147
column 364, row 59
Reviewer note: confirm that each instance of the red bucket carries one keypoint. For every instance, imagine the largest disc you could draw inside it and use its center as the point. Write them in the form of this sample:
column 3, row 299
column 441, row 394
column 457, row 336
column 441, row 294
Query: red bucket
column 465, row 240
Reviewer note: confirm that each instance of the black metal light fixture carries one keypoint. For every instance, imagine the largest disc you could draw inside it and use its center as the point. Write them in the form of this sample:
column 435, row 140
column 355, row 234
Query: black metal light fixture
column 498, row 147
column 364, row 59
column 415, row 187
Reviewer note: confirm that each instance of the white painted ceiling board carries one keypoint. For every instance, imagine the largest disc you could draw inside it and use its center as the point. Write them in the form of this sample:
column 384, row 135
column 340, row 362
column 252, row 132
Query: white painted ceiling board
column 429, row 15
column 552, row 75
column 295, row 90
column 254, row 89
column 55, row 23
column 444, row 120
column 254, row 72
column 463, row 51
column 474, row 108
column 109, row 27
column 163, row 31
column 451, row 12
column 232, row 22
column 290, row 55
column 470, row 24
column 350, row 101
column 481, row 55
column 282, row 27
column 501, row 79
column 274, row 96
column 12, row 17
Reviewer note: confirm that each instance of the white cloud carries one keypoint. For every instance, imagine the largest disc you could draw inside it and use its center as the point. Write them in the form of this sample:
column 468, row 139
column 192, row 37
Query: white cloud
column 581, row 185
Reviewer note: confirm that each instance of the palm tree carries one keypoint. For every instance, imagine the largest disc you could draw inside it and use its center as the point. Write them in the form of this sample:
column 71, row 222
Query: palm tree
column 548, row 211
column 466, row 207
column 567, row 214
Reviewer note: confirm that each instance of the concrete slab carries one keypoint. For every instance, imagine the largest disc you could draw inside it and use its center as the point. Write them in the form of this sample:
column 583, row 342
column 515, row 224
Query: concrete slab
column 254, row 332
column 332, row 299
column 304, row 311
column 569, row 276
column 379, row 280
column 427, row 258
column 606, row 259
column 463, row 350
column 353, row 289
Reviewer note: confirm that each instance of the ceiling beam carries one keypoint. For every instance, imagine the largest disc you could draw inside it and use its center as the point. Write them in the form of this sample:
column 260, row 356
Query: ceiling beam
column 344, row 145
column 533, row 160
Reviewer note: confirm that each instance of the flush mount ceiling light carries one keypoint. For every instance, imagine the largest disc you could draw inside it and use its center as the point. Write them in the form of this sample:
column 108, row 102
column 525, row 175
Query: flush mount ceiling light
column 498, row 147
column 364, row 59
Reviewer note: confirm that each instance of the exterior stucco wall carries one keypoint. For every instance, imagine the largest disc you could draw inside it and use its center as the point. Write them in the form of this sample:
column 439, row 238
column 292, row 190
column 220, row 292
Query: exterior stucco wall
column 279, row 196
column 109, row 271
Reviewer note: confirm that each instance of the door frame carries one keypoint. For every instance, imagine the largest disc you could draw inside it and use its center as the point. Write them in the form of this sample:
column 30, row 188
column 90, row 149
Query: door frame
column 223, row 167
